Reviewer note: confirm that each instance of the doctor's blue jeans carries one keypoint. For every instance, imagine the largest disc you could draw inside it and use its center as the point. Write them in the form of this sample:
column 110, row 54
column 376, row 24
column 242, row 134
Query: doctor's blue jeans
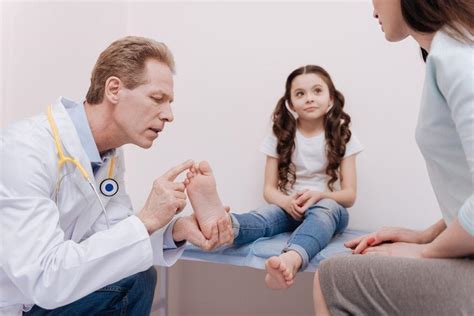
column 130, row 296
column 321, row 222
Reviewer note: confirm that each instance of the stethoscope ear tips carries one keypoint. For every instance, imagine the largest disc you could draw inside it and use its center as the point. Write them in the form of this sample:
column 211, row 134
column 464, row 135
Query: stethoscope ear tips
column 109, row 187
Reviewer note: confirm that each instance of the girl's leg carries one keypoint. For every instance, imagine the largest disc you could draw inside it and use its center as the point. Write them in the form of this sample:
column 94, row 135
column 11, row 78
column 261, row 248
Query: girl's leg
column 321, row 222
column 266, row 221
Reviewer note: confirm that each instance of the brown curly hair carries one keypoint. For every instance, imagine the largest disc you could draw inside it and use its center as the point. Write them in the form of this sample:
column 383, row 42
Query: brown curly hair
column 336, row 126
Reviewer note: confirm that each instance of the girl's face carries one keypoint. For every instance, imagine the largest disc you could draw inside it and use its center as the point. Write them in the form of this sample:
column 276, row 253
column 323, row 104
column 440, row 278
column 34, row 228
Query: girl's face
column 310, row 97
column 389, row 14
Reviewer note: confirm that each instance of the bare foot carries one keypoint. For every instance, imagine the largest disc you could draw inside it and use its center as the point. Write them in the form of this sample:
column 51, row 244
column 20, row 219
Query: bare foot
column 201, row 188
column 281, row 270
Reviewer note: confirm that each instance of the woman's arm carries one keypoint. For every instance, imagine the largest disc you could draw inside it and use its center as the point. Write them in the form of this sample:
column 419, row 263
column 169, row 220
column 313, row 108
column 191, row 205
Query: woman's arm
column 453, row 242
column 362, row 244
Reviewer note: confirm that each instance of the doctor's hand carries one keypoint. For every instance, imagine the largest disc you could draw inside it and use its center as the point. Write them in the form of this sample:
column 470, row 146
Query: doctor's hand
column 166, row 199
column 187, row 228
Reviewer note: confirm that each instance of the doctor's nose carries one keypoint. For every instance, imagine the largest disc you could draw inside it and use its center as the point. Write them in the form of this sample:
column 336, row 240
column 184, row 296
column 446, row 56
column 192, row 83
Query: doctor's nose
column 166, row 115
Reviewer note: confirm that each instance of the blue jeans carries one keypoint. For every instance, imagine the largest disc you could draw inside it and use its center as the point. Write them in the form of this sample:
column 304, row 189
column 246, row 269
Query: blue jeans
column 130, row 296
column 321, row 222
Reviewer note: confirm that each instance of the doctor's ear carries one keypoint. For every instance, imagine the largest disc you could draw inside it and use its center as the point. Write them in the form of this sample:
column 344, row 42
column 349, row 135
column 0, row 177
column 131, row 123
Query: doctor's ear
column 112, row 88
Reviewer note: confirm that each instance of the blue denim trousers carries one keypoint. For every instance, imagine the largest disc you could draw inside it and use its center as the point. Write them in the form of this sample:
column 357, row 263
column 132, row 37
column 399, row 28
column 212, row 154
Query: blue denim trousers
column 321, row 222
column 130, row 296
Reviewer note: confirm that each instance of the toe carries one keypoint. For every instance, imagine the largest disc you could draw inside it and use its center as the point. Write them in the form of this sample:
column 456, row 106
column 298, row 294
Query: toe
column 273, row 262
column 205, row 168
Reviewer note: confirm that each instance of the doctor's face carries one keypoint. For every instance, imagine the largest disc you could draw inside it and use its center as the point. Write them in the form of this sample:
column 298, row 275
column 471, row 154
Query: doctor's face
column 389, row 14
column 141, row 113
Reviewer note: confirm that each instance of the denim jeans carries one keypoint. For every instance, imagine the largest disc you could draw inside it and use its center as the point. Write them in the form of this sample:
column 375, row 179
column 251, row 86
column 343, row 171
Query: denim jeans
column 321, row 222
column 130, row 296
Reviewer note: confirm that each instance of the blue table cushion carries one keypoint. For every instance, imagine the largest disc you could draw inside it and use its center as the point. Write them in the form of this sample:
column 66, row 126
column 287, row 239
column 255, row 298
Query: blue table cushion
column 256, row 253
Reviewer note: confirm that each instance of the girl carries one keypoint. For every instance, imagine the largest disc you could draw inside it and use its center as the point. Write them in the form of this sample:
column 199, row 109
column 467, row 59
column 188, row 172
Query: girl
column 310, row 174
column 422, row 272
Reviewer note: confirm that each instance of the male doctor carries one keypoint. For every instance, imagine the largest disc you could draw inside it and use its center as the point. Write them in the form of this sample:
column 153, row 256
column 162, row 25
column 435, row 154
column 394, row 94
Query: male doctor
column 69, row 239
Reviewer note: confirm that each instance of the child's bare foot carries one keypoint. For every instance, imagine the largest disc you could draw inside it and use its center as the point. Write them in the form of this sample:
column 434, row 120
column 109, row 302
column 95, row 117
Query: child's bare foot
column 201, row 188
column 281, row 270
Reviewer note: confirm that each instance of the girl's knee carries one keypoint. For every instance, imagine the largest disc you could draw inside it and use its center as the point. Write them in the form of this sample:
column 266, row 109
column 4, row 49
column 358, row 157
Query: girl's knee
column 329, row 204
column 270, row 211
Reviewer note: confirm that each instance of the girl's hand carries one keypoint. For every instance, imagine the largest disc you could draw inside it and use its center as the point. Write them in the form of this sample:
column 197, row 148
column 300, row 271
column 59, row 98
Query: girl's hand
column 307, row 198
column 385, row 234
column 290, row 206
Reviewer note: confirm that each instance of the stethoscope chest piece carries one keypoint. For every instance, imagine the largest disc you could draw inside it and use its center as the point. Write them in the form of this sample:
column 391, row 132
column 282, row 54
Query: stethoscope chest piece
column 109, row 187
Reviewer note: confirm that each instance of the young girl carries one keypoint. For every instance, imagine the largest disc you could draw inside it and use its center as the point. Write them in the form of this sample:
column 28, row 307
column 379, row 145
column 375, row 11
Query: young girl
column 311, row 152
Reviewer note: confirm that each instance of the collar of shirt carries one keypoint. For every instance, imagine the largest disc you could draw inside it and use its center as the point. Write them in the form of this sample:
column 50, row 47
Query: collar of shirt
column 79, row 119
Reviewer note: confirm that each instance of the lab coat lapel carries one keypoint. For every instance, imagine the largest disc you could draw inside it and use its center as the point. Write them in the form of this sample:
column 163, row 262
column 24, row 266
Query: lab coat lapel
column 73, row 148
column 72, row 145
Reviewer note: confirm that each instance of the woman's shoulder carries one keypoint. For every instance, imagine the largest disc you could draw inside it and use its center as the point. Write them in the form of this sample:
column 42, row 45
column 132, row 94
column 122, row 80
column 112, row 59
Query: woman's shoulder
column 445, row 47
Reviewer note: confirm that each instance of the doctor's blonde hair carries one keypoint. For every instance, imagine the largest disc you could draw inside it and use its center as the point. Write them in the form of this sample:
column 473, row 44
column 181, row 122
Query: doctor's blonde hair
column 125, row 59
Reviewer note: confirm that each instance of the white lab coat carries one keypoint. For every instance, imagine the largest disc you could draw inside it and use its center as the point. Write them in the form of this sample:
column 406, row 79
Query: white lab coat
column 54, row 254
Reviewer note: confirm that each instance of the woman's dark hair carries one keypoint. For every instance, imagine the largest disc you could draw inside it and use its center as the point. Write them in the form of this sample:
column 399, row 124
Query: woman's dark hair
column 336, row 126
column 429, row 16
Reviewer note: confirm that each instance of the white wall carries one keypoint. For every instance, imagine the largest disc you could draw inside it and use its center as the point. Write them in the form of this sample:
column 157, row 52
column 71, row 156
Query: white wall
column 232, row 61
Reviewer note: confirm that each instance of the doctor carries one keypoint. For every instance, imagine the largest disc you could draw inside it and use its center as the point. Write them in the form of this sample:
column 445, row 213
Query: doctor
column 69, row 238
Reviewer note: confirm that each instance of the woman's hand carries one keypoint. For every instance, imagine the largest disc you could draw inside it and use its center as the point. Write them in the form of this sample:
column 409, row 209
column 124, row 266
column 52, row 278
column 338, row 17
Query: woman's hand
column 397, row 249
column 385, row 234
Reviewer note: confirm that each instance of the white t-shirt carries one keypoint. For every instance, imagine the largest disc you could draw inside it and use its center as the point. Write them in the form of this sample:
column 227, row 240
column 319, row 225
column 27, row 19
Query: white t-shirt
column 309, row 159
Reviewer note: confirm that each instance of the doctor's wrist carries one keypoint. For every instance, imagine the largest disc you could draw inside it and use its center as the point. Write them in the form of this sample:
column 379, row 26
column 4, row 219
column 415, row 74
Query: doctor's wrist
column 150, row 226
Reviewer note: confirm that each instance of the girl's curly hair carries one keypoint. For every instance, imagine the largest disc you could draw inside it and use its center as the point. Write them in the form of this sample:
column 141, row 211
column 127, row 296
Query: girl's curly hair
column 336, row 126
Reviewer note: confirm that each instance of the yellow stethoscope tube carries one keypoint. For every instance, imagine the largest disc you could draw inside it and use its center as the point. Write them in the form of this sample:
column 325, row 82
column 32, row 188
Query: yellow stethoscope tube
column 64, row 160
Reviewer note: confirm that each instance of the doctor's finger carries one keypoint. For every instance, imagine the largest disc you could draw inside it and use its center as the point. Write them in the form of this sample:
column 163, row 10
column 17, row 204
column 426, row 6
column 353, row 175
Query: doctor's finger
column 176, row 171
column 180, row 205
column 211, row 243
column 177, row 186
column 180, row 195
column 198, row 240
column 225, row 232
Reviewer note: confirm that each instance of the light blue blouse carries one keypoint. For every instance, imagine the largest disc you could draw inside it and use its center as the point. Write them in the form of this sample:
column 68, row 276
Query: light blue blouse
column 445, row 131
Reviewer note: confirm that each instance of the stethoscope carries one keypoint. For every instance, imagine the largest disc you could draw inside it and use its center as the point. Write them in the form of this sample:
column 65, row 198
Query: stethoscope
column 108, row 187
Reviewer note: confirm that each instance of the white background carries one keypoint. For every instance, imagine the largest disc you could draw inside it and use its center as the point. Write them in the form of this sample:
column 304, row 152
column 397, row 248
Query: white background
column 232, row 62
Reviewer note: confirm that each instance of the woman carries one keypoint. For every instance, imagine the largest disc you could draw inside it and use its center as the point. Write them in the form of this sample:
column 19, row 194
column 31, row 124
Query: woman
column 426, row 272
